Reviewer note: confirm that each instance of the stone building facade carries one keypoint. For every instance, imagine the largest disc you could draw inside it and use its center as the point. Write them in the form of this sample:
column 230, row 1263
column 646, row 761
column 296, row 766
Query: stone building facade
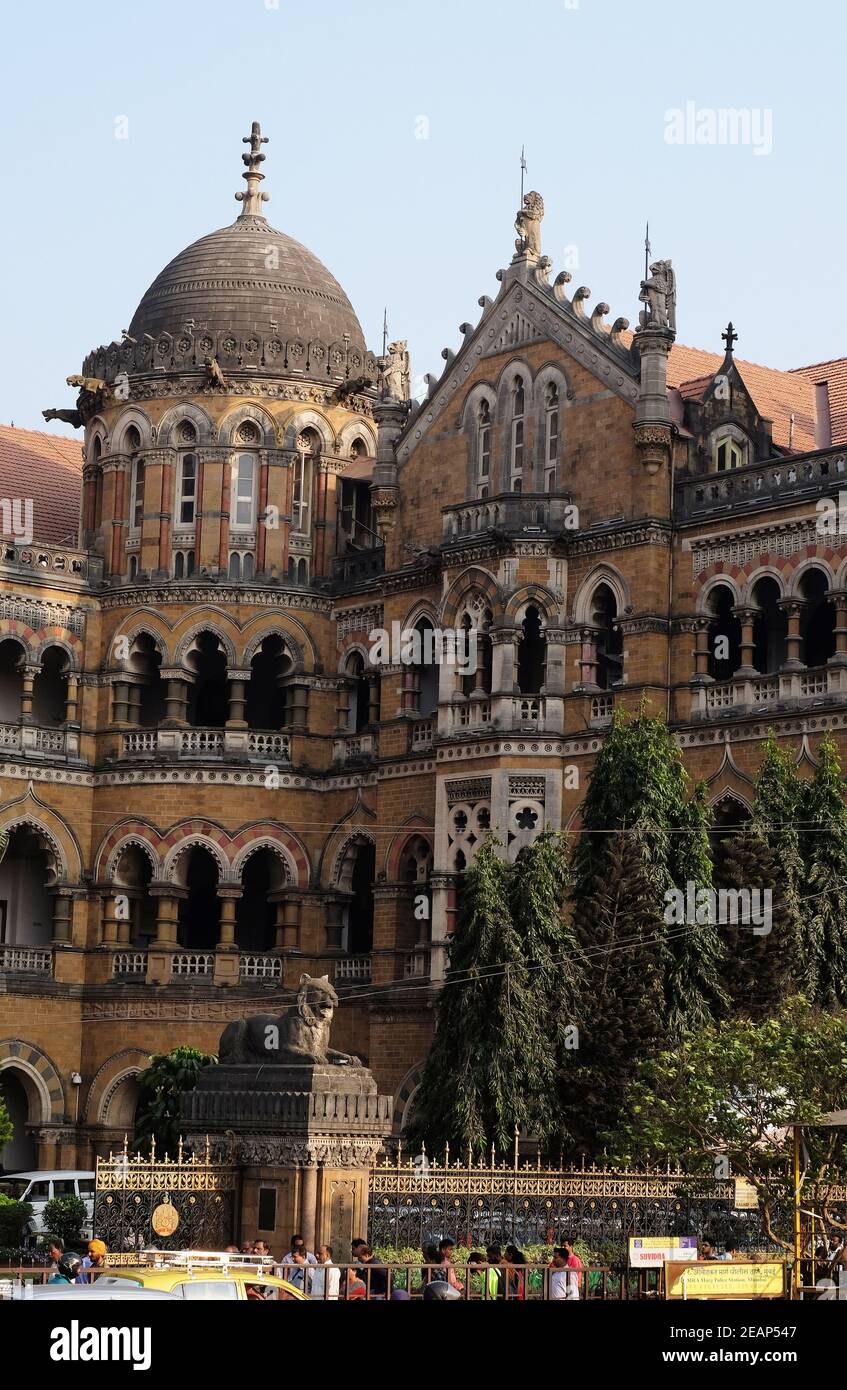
column 209, row 789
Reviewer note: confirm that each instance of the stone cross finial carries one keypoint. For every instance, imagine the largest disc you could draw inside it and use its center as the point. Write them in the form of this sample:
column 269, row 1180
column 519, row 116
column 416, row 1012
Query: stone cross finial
column 730, row 338
column 252, row 200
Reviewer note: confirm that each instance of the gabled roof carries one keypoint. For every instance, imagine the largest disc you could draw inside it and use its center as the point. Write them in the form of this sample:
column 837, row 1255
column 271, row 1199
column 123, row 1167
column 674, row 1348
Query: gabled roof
column 48, row 469
column 777, row 395
column 834, row 373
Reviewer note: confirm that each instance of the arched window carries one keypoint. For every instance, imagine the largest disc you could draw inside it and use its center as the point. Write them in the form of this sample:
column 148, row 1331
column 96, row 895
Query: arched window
column 551, row 436
column 361, row 695
column 425, row 674
column 608, row 639
column 358, row 449
column 724, row 636
column 186, row 490
column 516, row 453
column 532, row 653
column 483, row 450
column 817, row 620
column 729, row 454
column 132, row 443
column 242, row 507
column 97, row 509
column 308, row 448
column 770, row 627
column 50, row 688
column 267, row 688
column 183, row 564
column 208, row 703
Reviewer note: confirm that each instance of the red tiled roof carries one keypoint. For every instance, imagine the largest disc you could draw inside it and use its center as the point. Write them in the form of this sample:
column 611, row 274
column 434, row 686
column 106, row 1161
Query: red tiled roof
column 48, row 469
column 834, row 373
column 777, row 394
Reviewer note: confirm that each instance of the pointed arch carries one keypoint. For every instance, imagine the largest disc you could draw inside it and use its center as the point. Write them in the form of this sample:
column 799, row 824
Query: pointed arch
column 600, row 574
column 167, row 434
column 257, row 415
column 473, row 579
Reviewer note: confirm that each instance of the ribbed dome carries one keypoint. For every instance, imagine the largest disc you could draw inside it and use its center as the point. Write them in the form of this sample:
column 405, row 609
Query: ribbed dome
column 248, row 278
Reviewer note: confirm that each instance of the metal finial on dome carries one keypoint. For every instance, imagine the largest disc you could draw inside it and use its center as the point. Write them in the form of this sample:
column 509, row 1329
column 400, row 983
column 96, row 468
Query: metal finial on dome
column 253, row 199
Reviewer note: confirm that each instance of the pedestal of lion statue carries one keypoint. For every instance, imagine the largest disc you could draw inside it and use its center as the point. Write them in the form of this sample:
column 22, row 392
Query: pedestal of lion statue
column 301, row 1122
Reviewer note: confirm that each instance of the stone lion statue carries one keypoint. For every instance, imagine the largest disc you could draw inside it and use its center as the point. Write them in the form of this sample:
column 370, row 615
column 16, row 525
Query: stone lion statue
column 528, row 224
column 299, row 1035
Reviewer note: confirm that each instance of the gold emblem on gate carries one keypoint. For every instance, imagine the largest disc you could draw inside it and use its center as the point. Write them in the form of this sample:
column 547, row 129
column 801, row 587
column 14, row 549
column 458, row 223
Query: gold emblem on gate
column 165, row 1219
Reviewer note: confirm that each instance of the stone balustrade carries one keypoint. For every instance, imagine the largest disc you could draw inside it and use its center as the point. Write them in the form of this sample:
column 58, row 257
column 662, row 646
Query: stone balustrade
column 26, row 960
column 761, row 484
column 353, row 970
column 58, row 560
column 752, row 694
column 205, row 743
column 515, row 512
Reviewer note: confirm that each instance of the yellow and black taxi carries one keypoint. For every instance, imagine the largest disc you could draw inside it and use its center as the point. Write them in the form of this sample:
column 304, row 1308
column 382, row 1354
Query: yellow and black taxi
column 198, row 1275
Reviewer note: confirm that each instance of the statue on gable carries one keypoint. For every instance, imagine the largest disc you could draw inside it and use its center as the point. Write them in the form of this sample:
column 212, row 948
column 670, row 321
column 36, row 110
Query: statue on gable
column 659, row 294
column 396, row 372
column 528, row 225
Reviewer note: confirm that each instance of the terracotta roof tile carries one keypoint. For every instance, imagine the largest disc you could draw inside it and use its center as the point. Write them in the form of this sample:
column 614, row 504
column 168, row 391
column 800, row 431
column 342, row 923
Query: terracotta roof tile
column 777, row 394
column 834, row 373
column 48, row 469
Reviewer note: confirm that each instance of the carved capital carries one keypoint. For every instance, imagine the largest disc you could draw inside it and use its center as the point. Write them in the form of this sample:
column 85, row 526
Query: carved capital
column 653, row 443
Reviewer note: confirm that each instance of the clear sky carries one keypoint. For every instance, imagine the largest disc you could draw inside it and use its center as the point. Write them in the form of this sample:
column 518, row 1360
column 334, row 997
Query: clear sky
column 345, row 88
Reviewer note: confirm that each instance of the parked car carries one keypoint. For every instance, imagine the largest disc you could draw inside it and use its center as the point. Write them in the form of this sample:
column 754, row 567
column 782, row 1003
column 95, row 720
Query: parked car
column 85, row 1293
column 202, row 1275
column 40, row 1186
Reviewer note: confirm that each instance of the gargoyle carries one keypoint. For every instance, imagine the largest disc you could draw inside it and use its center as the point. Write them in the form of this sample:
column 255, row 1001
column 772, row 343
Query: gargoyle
column 214, row 375
column 70, row 417
column 87, row 383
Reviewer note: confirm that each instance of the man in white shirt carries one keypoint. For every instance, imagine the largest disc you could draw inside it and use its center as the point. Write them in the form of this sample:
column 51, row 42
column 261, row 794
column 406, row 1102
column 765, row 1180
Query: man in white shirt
column 298, row 1247
column 326, row 1278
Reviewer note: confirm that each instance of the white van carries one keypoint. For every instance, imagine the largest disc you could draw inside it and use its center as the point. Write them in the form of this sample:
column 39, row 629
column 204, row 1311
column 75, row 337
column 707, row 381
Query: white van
column 38, row 1188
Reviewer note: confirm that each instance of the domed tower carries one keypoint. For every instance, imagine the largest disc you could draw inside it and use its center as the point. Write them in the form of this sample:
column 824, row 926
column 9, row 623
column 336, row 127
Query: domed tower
column 214, row 431
column 230, row 446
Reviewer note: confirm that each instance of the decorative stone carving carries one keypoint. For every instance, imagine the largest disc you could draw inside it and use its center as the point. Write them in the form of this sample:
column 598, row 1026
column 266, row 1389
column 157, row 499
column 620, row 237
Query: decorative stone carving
column 528, row 225
column 659, row 294
column 396, row 371
column 300, row 1034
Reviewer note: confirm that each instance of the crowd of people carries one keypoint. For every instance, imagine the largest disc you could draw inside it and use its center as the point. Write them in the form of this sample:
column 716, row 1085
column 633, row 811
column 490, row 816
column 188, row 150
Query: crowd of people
column 67, row 1267
column 496, row 1273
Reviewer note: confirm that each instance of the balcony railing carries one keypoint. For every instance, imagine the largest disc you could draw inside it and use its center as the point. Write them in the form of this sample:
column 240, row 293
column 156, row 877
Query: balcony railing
column 416, row 964
column 422, row 735
column 785, row 689
column 358, row 566
column 193, row 964
column 528, row 712
column 33, row 739
column 516, row 512
column 354, row 747
column 353, row 970
column 129, row 964
column 602, row 708
column 26, row 960
column 206, row 743
column 761, row 484
column 51, row 559
column 260, row 968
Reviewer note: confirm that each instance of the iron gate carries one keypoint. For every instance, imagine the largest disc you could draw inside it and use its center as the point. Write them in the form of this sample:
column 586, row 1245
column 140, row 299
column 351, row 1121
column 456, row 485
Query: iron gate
column 186, row 1203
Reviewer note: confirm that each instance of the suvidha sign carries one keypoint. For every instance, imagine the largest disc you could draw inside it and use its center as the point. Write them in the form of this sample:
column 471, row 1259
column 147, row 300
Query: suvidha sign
column 724, row 1279
column 650, row 1252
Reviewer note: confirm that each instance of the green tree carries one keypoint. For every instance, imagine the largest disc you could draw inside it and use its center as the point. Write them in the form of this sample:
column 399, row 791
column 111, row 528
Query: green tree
column 731, row 1090
column 14, row 1219
column 639, row 786
column 65, row 1217
column 7, row 1129
column 824, row 842
column 757, row 968
column 539, row 886
column 168, row 1076
column 777, row 812
column 491, row 1067
column 622, row 931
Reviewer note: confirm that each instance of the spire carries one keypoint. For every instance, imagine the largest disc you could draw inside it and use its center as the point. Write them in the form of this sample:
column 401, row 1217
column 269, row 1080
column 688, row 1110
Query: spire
column 730, row 337
column 252, row 200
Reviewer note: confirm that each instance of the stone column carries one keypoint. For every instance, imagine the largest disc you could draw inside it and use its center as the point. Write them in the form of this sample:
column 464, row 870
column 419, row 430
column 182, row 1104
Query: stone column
column 120, row 702
column 237, row 700
column 287, row 924
column 167, row 917
column 62, row 913
column 299, row 708
column 746, row 617
column 72, row 700
column 228, row 895
column 309, row 1203
column 342, row 708
column 110, row 921
column 176, row 699
column 838, row 598
column 27, row 683
column 134, row 714
column 588, row 658
column 793, row 641
column 701, row 651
